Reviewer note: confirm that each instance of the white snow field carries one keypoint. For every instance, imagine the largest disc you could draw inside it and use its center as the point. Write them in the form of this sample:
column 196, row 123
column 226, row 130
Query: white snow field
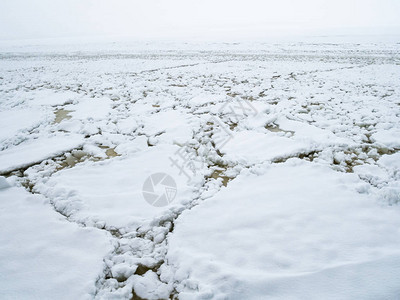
column 284, row 159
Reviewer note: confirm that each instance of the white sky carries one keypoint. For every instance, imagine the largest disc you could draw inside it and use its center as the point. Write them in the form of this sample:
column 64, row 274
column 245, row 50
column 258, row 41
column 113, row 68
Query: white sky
column 20, row 19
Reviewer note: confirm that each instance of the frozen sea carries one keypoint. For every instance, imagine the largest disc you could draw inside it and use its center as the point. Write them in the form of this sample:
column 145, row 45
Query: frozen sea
column 133, row 170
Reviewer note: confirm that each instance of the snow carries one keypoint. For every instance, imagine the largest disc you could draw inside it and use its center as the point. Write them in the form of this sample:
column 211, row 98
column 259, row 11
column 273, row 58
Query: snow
column 50, row 98
column 277, row 235
column 95, row 109
column 3, row 183
column 42, row 255
column 175, row 126
column 390, row 137
column 34, row 151
column 285, row 159
column 390, row 161
column 18, row 122
column 254, row 147
column 312, row 134
column 102, row 192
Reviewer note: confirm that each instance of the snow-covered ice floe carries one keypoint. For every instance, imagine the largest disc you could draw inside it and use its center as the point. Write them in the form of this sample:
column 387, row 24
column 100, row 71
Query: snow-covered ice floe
column 37, row 150
column 295, row 231
column 110, row 192
column 200, row 171
column 43, row 256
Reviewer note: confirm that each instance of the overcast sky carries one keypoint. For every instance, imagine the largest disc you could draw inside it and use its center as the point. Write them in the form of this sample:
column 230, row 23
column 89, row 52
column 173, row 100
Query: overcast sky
column 20, row 19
